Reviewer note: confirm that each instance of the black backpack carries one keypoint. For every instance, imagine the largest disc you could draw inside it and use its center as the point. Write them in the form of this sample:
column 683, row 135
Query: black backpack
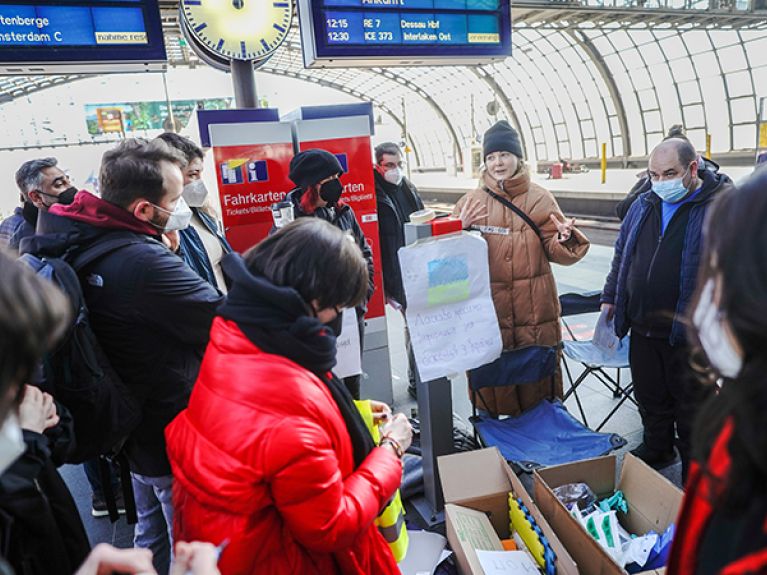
column 77, row 373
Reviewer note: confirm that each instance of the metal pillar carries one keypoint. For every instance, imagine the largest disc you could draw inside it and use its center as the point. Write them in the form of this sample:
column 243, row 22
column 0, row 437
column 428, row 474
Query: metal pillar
column 244, row 81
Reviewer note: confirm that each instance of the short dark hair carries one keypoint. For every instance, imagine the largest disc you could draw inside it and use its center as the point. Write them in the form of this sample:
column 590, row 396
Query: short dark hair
column 316, row 259
column 30, row 175
column 133, row 170
column 34, row 314
column 685, row 150
column 386, row 148
column 677, row 131
column 186, row 146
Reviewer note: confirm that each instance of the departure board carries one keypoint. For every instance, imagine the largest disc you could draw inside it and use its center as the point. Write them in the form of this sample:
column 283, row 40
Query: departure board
column 78, row 34
column 376, row 32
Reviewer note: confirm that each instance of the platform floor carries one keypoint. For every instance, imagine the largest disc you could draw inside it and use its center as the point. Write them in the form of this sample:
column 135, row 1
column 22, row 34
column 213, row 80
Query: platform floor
column 586, row 275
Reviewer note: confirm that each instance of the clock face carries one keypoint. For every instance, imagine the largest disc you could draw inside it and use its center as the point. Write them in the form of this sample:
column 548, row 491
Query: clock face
column 238, row 29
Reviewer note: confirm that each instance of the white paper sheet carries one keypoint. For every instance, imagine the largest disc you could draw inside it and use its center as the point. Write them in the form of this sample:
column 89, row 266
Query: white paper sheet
column 450, row 312
column 425, row 552
column 507, row 563
column 348, row 356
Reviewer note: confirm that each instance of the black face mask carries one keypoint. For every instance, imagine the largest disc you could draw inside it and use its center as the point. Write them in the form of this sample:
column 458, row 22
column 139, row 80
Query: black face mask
column 336, row 324
column 67, row 196
column 331, row 190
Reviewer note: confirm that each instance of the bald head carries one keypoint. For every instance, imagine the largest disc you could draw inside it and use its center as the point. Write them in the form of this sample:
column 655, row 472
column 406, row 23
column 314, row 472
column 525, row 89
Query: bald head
column 673, row 158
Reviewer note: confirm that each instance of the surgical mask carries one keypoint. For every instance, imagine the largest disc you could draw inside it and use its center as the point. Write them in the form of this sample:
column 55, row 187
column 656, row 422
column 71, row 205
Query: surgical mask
column 393, row 176
column 331, row 191
column 179, row 218
column 717, row 344
column 11, row 442
column 195, row 193
column 671, row 191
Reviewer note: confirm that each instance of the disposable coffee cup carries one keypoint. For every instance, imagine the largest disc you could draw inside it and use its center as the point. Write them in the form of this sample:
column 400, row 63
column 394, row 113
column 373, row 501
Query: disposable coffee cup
column 282, row 214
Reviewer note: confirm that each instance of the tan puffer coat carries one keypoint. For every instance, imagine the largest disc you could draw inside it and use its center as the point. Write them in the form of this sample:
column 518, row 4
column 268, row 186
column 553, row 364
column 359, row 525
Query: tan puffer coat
column 522, row 283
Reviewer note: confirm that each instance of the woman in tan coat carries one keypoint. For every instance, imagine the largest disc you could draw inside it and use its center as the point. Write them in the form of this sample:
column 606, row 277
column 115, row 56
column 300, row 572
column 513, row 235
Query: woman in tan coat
column 522, row 283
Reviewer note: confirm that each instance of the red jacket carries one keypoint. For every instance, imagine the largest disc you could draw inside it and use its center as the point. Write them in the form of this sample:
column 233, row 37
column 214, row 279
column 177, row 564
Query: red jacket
column 262, row 457
column 697, row 511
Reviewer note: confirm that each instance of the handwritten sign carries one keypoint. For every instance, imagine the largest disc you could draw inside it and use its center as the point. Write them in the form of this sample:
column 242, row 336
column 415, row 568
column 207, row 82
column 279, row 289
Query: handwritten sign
column 507, row 563
column 348, row 356
column 450, row 313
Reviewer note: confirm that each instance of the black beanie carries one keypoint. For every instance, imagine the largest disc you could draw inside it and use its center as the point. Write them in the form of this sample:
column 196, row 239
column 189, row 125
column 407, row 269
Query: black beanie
column 312, row 166
column 501, row 137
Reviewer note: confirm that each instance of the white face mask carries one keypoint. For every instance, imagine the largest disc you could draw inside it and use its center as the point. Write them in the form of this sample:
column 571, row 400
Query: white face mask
column 179, row 218
column 11, row 442
column 716, row 342
column 195, row 193
column 393, row 176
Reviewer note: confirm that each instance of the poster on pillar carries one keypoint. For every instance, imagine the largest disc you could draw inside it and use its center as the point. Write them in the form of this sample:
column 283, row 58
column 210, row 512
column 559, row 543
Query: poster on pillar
column 252, row 162
column 450, row 312
column 349, row 139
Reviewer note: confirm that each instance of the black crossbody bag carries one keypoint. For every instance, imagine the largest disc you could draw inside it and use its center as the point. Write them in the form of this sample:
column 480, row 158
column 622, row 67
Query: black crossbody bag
column 516, row 210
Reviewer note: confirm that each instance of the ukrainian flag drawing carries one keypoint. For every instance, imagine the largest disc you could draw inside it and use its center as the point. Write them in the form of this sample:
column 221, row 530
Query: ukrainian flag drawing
column 448, row 280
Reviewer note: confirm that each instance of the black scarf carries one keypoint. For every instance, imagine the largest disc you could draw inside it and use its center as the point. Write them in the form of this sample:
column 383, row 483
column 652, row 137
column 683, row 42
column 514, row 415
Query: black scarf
column 277, row 320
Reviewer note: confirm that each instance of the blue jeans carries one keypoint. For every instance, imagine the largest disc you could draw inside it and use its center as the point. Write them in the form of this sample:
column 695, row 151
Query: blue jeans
column 154, row 508
column 91, row 468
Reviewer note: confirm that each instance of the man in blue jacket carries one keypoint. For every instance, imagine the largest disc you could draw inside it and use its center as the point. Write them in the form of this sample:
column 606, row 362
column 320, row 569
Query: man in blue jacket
column 150, row 311
column 651, row 282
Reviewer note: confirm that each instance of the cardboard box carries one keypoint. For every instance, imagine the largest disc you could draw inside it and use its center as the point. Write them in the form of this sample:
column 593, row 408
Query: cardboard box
column 653, row 501
column 476, row 486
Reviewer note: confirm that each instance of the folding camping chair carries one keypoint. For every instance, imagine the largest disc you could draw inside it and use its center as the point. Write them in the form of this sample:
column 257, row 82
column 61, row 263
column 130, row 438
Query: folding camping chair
column 593, row 359
column 544, row 435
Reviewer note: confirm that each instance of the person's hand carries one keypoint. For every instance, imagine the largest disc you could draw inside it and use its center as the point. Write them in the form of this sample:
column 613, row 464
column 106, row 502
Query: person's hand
column 106, row 560
column 400, row 430
column 564, row 229
column 171, row 241
column 196, row 558
column 471, row 212
column 381, row 411
column 610, row 310
column 37, row 411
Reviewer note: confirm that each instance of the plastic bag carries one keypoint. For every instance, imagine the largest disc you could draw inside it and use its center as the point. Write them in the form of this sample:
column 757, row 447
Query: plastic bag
column 576, row 493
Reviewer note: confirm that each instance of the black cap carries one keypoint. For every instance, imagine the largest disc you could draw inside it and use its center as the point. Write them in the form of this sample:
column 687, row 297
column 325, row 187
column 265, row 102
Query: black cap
column 312, row 166
column 501, row 137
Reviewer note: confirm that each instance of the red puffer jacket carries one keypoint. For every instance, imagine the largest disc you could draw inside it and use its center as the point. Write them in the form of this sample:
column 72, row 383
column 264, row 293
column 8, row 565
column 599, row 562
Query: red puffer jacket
column 262, row 457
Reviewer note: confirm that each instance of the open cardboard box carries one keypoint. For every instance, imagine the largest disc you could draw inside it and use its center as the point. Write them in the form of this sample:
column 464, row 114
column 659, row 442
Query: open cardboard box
column 476, row 486
column 652, row 499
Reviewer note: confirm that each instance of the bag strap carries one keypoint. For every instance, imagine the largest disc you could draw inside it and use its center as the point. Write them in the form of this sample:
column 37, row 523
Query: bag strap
column 104, row 246
column 516, row 210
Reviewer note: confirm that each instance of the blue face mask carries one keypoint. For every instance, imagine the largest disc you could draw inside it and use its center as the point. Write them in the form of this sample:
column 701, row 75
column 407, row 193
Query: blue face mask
column 671, row 191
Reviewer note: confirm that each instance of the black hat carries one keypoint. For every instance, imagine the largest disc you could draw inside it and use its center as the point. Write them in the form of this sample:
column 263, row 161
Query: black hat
column 312, row 166
column 501, row 137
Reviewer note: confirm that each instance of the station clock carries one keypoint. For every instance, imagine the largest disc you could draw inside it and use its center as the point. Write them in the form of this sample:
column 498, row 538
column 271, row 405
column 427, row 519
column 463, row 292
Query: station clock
column 225, row 30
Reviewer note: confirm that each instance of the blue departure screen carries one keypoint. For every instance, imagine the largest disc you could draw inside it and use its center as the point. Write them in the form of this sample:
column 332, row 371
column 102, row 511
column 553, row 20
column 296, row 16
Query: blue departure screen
column 64, row 31
column 391, row 29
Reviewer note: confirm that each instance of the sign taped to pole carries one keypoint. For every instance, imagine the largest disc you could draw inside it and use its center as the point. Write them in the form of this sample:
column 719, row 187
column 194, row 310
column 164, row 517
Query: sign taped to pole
column 450, row 313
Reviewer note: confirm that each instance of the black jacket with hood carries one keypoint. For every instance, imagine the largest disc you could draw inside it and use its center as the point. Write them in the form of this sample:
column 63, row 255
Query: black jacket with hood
column 150, row 311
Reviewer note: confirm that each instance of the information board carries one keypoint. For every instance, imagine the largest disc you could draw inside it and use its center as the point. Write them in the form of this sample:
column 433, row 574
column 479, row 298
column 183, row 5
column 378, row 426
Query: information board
column 76, row 34
column 374, row 32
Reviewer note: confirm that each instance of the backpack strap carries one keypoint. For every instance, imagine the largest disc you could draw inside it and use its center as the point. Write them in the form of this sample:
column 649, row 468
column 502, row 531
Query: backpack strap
column 104, row 246
column 516, row 210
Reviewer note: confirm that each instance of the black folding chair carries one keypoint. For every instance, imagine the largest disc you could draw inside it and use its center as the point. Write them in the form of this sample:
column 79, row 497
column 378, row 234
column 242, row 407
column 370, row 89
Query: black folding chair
column 593, row 358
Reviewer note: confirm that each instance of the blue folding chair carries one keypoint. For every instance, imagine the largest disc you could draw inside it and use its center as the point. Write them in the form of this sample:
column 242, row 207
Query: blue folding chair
column 593, row 358
column 544, row 435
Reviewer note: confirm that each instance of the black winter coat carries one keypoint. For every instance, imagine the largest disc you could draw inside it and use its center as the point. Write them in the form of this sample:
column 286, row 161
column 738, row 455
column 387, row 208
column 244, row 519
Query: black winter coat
column 391, row 228
column 41, row 532
column 344, row 219
column 152, row 315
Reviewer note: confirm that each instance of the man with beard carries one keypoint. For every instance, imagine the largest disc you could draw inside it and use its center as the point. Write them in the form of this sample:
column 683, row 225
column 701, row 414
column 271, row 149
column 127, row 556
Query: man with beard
column 42, row 184
column 150, row 311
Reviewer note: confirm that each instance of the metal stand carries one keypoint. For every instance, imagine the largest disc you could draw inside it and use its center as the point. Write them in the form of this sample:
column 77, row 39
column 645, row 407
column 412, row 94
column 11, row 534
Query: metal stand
column 244, row 81
column 435, row 412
